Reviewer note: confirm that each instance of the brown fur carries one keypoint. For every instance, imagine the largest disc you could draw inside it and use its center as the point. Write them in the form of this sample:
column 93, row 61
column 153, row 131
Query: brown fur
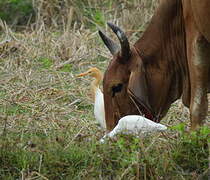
column 170, row 60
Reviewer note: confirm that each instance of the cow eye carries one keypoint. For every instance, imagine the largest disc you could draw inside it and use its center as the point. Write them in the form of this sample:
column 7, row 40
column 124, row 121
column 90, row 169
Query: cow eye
column 117, row 88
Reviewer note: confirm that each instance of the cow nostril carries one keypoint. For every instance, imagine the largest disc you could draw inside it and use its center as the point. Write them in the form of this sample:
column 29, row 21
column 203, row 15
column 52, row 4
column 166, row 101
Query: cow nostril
column 117, row 88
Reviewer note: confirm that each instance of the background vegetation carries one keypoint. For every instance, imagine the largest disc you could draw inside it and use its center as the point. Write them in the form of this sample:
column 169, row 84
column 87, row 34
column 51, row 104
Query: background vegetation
column 47, row 127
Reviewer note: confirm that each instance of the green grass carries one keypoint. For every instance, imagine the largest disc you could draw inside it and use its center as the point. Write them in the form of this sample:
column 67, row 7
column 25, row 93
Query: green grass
column 66, row 68
column 53, row 157
column 45, row 63
column 15, row 109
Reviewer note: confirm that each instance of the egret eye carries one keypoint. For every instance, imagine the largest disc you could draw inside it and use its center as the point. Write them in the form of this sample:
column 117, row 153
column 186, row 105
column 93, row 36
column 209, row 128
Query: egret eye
column 117, row 88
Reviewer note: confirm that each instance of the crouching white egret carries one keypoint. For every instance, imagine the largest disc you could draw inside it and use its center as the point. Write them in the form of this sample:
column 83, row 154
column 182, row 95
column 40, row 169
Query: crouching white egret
column 136, row 125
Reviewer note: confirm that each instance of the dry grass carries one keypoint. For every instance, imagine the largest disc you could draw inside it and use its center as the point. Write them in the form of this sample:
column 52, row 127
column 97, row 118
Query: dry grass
column 47, row 126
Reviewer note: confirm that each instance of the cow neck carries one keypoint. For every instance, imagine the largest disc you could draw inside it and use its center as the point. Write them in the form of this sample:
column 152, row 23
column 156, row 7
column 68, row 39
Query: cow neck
column 162, row 49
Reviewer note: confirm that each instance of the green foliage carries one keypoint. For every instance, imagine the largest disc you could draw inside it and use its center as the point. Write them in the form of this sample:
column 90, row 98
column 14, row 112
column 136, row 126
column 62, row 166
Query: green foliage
column 19, row 12
column 94, row 12
column 2, row 93
column 16, row 12
column 85, row 106
column 192, row 151
column 179, row 127
column 14, row 109
column 95, row 17
column 46, row 63
column 66, row 68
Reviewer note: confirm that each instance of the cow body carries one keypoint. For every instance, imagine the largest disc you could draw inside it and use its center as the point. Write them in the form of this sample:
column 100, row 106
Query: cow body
column 170, row 60
column 197, row 27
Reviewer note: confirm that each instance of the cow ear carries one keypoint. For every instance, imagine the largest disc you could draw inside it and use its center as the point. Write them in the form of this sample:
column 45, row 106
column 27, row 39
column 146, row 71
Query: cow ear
column 138, row 87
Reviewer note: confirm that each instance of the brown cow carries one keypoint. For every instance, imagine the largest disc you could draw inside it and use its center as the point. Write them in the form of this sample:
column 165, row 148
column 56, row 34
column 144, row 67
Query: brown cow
column 171, row 60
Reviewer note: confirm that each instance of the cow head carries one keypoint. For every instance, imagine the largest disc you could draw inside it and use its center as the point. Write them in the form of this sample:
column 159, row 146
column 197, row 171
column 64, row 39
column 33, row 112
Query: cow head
column 124, row 83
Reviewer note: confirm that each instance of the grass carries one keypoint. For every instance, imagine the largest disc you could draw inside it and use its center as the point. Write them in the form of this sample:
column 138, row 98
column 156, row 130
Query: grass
column 53, row 156
column 47, row 127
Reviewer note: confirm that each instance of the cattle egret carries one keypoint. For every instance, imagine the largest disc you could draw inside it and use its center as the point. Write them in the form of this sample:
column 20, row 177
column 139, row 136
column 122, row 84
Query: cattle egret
column 136, row 125
column 98, row 95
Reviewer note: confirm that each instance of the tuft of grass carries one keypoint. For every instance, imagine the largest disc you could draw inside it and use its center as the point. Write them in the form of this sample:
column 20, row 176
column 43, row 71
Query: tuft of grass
column 46, row 63
column 192, row 150
column 66, row 68
column 15, row 109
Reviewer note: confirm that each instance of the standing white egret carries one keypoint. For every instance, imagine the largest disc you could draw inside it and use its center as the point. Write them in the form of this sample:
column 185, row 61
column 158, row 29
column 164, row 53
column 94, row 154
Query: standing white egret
column 98, row 95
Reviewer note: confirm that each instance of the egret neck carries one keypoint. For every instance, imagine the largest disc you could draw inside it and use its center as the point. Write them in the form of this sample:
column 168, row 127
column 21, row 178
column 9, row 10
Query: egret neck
column 95, row 83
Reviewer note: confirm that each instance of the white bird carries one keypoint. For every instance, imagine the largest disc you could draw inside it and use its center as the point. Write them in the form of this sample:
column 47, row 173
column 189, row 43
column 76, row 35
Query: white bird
column 135, row 125
column 98, row 95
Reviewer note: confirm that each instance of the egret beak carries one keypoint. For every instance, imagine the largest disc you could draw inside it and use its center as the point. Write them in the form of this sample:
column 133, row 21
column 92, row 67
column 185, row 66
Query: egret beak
column 82, row 74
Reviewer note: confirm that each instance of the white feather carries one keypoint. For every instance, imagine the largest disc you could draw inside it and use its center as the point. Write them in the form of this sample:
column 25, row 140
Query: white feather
column 136, row 125
column 99, row 108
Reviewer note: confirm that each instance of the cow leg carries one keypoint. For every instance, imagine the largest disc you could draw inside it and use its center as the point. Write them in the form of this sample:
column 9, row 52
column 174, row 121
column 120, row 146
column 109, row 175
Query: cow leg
column 198, row 55
column 199, row 58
